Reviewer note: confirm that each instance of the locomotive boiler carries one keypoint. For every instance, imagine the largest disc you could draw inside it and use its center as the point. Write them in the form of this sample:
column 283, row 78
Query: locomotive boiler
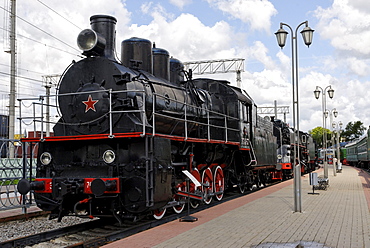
column 132, row 130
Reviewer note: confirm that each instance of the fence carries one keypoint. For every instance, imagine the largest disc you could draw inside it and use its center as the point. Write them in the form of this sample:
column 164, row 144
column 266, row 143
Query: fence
column 13, row 167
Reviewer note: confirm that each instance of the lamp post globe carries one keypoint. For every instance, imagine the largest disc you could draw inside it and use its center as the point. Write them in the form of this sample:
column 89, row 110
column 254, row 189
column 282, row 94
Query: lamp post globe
column 281, row 35
column 331, row 93
column 317, row 93
column 335, row 113
column 307, row 34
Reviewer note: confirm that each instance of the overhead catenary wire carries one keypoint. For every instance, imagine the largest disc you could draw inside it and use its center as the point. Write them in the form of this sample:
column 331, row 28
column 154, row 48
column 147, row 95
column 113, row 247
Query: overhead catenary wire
column 43, row 31
column 36, row 41
column 21, row 69
column 27, row 88
column 59, row 15
column 32, row 79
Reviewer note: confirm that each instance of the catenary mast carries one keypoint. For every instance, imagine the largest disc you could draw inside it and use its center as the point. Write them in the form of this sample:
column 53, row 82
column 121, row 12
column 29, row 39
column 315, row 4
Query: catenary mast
column 12, row 73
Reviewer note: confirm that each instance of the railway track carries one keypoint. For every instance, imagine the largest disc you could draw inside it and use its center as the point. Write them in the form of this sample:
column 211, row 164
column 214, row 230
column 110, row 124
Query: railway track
column 99, row 232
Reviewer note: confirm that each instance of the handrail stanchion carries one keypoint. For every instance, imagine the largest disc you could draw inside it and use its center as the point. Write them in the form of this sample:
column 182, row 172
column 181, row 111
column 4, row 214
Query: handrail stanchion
column 34, row 119
column 143, row 115
column 153, row 113
column 42, row 118
column 24, row 168
column 186, row 121
column 225, row 128
column 20, row 116
column 208, row 127
column 110, row 114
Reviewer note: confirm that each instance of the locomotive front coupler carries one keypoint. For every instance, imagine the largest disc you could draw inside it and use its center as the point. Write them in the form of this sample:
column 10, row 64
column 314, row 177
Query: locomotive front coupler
column 62, row 187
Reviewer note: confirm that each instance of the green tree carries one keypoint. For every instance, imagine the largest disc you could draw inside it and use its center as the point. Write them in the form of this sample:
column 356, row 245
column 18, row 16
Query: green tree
column 353, row 130
column 317, row 135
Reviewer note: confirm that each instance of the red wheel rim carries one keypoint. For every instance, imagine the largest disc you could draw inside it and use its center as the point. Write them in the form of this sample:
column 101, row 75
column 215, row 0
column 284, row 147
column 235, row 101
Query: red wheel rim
column 178, row 209
column 219, row 183
column 207, row 178
column 196, row 174
column 159, row 213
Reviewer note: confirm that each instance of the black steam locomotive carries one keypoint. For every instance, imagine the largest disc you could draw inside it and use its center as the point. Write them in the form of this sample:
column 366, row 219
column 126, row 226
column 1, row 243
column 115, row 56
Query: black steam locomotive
column 133, row 131
column 285, row 152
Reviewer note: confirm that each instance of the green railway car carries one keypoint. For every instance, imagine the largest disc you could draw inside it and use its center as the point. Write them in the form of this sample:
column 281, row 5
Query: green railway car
column 357, row 152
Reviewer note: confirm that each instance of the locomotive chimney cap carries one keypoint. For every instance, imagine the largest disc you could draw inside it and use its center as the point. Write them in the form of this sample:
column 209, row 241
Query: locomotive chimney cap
column 102, row 17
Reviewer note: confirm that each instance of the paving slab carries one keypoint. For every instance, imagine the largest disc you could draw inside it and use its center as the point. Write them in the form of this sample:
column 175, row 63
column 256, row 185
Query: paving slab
column 336, row 217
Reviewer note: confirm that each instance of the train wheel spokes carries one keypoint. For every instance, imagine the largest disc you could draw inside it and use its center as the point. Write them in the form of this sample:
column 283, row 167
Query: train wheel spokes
column 242, row 188
column 252, row 187
column 260, row 184
column 242, row 184
column 178, row 208
column 219, row 182
column 194, row 203
column 193, row 189
column 159, row 213
column 207, row 179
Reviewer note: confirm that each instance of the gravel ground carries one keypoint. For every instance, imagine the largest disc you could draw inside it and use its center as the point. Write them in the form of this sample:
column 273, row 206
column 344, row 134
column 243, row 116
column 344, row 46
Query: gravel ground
column 20, row 228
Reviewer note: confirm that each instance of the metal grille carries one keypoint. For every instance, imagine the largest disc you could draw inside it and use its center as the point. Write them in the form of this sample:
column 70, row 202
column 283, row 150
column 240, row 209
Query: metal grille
column 13, row 167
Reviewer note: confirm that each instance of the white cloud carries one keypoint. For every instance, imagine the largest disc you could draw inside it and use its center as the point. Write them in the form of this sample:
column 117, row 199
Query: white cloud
column 155, row 10
column 180, row 3
column 359, row 67
column 187, row 38
column 361, row 5
column 350, row 97
column 259, row 51
column 257, row 13
column 284, row 59
column 346, row 26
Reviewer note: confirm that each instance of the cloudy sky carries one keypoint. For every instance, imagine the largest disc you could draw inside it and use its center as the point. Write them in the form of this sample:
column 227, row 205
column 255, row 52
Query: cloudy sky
column 211, row 29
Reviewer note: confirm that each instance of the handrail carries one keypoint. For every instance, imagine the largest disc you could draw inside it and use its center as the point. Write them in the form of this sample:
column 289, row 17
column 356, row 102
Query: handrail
column 186, row 120
column 208, row 115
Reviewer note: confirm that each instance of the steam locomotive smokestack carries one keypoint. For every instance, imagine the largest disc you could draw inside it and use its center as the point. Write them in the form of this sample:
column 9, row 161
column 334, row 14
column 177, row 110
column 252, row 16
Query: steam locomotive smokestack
column 106, row 26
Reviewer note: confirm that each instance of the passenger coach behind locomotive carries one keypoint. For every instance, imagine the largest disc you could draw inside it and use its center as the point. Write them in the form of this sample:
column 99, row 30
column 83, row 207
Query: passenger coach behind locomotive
column 127, row 133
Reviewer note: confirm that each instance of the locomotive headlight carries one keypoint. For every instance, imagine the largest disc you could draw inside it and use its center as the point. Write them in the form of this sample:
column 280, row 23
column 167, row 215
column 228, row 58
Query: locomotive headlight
column 91, row 42
column 45, row 158
column 109, row 156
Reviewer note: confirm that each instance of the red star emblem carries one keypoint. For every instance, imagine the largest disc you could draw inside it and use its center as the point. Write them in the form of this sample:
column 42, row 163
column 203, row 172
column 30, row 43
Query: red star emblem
column 90, row 104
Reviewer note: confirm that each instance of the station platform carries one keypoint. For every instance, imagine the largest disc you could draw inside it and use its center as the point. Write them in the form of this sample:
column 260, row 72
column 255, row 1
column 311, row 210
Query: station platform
column 337, row 217
column 17, row 214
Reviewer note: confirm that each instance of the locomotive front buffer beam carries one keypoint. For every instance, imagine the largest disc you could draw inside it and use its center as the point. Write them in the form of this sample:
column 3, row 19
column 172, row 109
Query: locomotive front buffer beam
column 61, row 187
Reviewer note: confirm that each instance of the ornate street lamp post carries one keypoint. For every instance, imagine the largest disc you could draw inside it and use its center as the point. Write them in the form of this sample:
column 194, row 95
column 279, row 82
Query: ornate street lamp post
column 333, row 113
column 331, row 95
column 337, row 130
column 281, row 36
